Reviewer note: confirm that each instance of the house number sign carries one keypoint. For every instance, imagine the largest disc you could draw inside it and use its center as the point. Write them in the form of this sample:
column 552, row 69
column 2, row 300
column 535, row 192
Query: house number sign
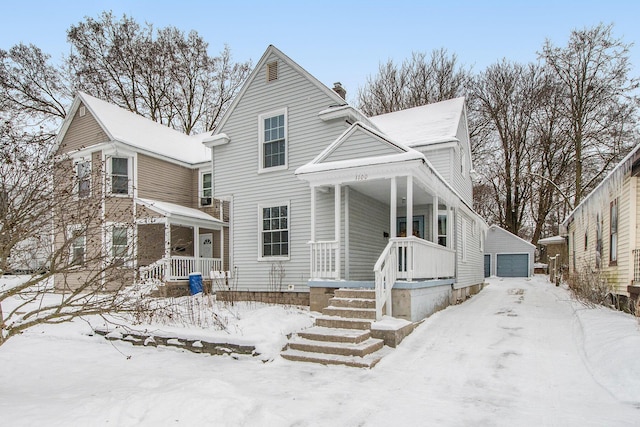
column 361, row 177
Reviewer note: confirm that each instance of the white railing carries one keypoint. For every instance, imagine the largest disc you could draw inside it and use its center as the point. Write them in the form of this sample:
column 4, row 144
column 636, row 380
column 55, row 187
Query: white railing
column 324, row 260
column 155, row 271
column 386, row 270
column 179, row 268
column 410, row 258
column 421, row 259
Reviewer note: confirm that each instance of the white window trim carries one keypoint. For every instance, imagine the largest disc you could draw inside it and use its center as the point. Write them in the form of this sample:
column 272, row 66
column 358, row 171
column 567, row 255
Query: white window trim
column 271, row 205
column 109, row 226
column 130, row 160
column 71, row 229
column 261, row 117
column 76, row 186
column 201, row 189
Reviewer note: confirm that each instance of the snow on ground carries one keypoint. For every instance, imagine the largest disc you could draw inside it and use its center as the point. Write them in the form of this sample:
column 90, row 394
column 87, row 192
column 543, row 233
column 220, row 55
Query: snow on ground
column 521, row 352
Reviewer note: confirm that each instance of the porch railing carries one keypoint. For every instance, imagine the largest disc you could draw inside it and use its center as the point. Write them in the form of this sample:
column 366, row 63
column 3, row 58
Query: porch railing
column 324, row 256
column 179, row 268
column 421, row 259
column 386, row 272
column 410, row 258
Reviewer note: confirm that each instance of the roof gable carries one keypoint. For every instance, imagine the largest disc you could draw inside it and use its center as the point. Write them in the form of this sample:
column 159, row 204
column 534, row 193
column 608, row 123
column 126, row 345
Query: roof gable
column 272, row 53
column 137, row 131
column 360, row 145
column 509, row 235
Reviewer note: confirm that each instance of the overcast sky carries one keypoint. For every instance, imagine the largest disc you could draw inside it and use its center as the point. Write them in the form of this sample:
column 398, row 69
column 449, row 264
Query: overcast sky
column 341, row 40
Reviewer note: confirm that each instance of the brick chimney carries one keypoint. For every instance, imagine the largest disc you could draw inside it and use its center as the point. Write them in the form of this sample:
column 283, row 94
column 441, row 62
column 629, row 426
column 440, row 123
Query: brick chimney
column 337, row 87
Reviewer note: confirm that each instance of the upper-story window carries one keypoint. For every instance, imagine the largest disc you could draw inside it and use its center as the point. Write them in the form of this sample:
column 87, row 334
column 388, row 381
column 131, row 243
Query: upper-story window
column 119, row 169
column 206, row 189
column 83, row 172
column 273, row 140
column 463, row 160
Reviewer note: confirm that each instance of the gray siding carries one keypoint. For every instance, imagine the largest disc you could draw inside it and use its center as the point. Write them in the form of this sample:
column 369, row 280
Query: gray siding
column 360, row 145
column 470, row 270
column 236, row 171
column 462, row 182
column 441, row 161
column 368, row 221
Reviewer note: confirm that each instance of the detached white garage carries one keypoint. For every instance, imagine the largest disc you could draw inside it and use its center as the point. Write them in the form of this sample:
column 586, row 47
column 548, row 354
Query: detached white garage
column 507, row 255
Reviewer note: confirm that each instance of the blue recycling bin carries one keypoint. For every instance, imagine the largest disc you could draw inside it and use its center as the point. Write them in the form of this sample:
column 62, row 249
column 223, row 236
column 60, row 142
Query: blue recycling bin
column 195, row 283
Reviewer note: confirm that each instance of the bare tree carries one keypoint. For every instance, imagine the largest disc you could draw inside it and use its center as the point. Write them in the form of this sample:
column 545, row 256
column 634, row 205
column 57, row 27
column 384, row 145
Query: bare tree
column 418, row 81
column 506, row 98
column 161, row 74
column 599, row 103
column 40, row 204
column 32, row 88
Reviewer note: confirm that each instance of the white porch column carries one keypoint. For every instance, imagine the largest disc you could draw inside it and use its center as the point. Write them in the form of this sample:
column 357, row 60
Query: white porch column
column 197, row 264
column 393, row 232
column 313, row 213
column 167, row 239
column 337, row 203
column 222, row 248
column 409, row 206
column 434, row 223
column 167, row 250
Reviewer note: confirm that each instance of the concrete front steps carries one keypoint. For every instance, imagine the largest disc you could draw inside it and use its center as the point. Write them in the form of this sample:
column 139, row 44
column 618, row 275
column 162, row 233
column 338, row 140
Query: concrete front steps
column 346, row 334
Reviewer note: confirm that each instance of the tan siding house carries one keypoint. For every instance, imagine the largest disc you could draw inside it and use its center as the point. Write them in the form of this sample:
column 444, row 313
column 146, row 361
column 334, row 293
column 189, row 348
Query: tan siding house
column 145, row 194
column 603, row 233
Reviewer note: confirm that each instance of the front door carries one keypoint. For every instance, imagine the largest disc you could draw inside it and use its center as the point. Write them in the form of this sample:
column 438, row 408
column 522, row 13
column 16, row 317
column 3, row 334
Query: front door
column 206, row 245
column 418, row 226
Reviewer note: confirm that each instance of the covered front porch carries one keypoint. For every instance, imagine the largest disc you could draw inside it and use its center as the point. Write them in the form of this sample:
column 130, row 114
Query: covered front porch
column 174, row 241
column 360, row 235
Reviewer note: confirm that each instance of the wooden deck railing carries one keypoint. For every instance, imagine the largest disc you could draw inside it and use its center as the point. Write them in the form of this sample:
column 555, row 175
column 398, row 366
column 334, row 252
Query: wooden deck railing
column 179, row 268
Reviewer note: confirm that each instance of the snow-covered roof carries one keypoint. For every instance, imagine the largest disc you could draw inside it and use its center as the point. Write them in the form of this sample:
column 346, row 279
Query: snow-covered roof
column 173, row 210
column 139, row 132
column 428, row 124
column 551, row 240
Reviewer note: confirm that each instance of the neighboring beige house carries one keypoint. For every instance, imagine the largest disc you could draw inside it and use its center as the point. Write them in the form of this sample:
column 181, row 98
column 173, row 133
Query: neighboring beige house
column 603, row 229
column 148, row 188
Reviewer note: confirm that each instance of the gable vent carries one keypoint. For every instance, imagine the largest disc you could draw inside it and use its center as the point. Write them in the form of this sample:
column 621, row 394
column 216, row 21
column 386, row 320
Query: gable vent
column 83, row 111
column 272, row 71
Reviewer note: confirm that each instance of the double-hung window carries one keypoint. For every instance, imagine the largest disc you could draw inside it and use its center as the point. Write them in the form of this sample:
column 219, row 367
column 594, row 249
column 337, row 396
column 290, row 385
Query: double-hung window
column 206, row 189
column 83, row 173
column 273, row 140
column 119, row 243
column 78, row 245
column 119, row 175
column 274, row 231
column 613, row 232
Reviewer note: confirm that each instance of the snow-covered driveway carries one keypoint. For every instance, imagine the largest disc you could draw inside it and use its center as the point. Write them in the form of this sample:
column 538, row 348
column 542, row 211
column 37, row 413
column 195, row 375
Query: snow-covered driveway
column 519, row 353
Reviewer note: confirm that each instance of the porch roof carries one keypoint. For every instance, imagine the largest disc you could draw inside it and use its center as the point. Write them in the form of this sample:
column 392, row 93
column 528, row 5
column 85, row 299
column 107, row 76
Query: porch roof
column 178, row 214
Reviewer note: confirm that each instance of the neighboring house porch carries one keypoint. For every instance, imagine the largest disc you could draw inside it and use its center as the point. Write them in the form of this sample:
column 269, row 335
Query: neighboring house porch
column 174, row 241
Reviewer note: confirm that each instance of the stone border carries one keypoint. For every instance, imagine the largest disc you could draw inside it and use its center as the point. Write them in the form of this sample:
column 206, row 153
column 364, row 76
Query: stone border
column 193, row 345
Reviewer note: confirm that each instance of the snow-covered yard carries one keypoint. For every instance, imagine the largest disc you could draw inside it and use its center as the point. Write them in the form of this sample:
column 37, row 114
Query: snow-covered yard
column 521, row 352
